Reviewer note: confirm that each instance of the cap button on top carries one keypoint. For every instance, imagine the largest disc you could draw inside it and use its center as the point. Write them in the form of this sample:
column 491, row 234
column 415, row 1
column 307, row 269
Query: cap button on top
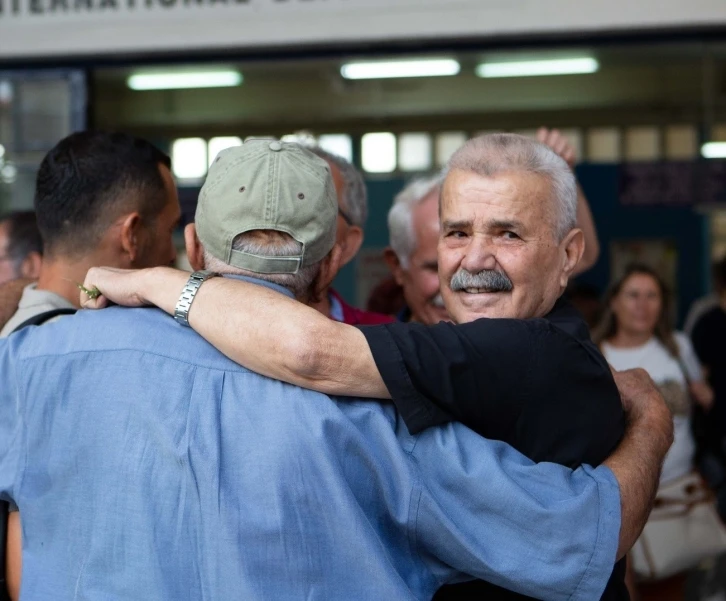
column 276, row 146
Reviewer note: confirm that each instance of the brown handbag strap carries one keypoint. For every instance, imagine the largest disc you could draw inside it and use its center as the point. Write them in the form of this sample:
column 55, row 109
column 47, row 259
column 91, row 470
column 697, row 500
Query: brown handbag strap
column 697, row 493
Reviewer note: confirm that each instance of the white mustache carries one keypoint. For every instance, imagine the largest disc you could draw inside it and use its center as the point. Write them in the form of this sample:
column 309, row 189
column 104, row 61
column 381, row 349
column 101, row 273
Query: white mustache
column 488, row 279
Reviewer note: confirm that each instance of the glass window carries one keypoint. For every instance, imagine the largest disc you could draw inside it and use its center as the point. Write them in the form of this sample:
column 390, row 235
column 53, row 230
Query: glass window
column 414, row 152
column 486, row 132
column 189, row 158
column 603, row 145
column 642, row 143
column 681, row 142
column 575, row 138
column 447, row 143
column 217, row 145
column 304, row 138
column 718, row 133
column 37, row 108
column 378, row 152
column 527, row 133
column 8, row 173
column 340, row 144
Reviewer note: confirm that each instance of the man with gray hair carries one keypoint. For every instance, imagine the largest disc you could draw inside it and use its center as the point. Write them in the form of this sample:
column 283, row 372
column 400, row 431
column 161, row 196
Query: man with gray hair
column 412, row 256
column 352, row 197
column 531, row 378
column 413, row 224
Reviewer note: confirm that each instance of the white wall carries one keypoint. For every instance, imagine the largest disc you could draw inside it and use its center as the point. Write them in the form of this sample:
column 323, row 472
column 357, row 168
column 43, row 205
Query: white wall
column 32, row 28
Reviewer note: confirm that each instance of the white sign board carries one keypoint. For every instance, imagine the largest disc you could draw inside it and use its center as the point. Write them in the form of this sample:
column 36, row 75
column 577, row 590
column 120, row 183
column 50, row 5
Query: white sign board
column 38, row 28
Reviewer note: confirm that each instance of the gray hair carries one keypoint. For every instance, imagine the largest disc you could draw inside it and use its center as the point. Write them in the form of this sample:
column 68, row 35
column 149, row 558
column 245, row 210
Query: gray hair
column 400, row 217
column 300, row 283
column 355, row 195
column 493, row 154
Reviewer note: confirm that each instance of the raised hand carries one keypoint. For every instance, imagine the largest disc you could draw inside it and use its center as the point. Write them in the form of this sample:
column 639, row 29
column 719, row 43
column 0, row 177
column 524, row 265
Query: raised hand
column 559, row 143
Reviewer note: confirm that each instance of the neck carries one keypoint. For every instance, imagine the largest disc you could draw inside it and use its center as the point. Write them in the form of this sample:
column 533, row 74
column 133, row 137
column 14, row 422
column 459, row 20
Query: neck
column 323, row 306
column 625, row 339
column 62, row 275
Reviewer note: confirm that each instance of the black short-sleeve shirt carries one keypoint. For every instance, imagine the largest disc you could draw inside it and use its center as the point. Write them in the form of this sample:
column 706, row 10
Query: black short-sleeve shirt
column 540, row 385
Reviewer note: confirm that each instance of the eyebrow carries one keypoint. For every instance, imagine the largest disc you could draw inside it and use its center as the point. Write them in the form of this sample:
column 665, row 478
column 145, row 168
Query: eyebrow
column 504, row 224
column 497, row 224
column 456, row 225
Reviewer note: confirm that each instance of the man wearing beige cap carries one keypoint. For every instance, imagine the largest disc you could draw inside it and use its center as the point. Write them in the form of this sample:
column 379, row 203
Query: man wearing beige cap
column 147, row 465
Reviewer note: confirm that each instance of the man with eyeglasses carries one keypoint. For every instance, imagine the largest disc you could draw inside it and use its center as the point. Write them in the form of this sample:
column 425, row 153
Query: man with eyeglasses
column 352, row 212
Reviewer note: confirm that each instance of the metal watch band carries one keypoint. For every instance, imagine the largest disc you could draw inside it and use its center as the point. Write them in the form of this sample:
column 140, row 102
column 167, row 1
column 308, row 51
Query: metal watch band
column 181, row 311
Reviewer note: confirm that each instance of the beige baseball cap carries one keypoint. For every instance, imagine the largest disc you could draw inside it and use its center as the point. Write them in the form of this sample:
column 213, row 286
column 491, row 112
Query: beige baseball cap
column 268, row 185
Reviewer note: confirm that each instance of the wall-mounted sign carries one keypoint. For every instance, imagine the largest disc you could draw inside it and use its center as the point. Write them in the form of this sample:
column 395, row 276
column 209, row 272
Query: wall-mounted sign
column 673, row 183
column 39, row 28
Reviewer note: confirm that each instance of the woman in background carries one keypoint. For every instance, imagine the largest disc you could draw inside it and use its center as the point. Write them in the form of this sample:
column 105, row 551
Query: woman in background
column 636, row 332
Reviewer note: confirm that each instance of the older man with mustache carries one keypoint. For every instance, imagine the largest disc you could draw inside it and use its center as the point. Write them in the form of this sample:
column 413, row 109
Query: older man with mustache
column 518, row 364
column 413, row 224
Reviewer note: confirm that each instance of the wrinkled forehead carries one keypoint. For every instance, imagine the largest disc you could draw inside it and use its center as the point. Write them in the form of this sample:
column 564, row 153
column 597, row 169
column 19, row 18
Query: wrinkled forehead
column 642, row 282
column 523, row 194
column 425, row 215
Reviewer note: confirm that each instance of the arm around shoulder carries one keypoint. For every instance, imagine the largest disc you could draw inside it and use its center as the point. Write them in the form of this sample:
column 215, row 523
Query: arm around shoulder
column 261, row 329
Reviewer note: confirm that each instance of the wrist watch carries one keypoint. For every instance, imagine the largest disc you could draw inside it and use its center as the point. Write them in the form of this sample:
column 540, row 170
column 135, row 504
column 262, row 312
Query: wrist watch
column 181, row 312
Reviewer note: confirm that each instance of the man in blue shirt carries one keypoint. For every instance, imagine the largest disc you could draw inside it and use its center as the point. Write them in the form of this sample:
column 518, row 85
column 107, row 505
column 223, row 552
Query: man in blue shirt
column 147, row 465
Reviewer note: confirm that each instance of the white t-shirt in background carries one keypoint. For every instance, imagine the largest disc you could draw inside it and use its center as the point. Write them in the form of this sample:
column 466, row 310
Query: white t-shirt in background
column 665, row 370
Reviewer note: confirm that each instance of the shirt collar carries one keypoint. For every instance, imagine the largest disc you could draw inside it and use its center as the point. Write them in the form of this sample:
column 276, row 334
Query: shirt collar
column 336, row 308
column 33, row 297
column 259, row 282
column 404, row 315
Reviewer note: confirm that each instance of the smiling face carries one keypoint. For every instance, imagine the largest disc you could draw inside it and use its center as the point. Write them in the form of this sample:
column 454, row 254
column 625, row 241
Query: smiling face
column 638, row 305
column 420, row 278
column 499, row 253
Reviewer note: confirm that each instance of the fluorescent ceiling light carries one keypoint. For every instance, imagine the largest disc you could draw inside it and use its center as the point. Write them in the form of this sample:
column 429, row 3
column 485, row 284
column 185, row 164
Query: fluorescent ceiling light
column 714, row 150
column 562, row 66
column 179, row 80
column 439, row 67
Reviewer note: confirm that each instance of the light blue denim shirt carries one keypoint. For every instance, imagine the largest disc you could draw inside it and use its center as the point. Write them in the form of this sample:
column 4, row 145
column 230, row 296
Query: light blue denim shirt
column 146, row 465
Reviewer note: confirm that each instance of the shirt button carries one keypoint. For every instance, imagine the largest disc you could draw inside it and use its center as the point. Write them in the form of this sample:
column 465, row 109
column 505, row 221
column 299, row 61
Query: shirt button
column 276, row 146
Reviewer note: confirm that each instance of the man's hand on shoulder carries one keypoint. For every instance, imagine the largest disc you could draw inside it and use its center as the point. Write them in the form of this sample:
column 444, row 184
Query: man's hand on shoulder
column 10, row 294
column 124, row 287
